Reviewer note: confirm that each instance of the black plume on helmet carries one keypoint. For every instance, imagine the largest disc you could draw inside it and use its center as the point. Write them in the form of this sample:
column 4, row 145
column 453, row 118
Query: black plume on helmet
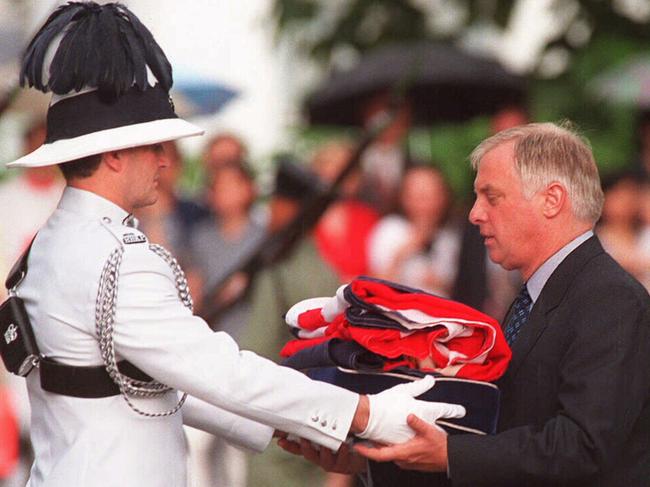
column 102, row 46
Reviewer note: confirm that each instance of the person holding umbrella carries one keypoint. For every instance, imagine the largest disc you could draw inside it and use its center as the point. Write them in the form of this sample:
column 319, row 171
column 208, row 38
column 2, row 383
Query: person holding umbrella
column 417, row 83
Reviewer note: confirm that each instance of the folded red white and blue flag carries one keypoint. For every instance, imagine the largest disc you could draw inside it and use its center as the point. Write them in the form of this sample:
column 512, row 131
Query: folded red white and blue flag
column 407, row 326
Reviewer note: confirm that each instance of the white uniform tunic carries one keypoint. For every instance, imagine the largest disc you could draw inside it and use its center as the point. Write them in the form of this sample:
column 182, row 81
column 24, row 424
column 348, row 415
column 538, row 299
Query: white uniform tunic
column 102, row 442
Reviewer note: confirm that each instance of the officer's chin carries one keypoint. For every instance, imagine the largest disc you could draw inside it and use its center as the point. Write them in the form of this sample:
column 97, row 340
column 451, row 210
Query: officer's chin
column 149, row 200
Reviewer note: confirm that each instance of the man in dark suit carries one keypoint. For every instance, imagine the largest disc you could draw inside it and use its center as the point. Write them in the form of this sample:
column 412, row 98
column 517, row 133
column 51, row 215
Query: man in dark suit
column 576, row 397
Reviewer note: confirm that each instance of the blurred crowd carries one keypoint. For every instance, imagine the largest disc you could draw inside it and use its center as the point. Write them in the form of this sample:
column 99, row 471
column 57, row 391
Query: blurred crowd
column 391, row 217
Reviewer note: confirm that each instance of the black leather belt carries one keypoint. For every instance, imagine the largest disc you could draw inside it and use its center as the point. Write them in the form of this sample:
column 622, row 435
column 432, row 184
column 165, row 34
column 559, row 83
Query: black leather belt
column 84, row 382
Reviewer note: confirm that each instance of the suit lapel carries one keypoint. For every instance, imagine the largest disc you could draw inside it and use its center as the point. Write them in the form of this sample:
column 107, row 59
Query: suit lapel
column 552, row 294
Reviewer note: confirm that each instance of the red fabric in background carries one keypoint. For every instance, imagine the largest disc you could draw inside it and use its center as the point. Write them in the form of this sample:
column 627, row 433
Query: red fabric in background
column 347, row 252
column 9, row 446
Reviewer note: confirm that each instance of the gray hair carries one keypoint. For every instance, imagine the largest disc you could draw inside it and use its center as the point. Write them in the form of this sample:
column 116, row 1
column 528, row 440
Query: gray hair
column 546, row 153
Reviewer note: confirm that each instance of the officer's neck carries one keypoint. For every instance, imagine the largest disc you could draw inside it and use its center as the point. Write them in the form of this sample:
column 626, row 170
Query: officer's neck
column 104, row 188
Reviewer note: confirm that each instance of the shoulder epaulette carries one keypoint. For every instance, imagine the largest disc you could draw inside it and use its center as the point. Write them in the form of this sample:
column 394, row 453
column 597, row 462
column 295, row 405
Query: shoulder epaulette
column 125, row 235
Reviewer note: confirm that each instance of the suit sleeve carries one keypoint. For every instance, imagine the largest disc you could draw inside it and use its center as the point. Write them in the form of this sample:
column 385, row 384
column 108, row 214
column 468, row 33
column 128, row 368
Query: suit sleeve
column 154, row 331
column 603, row 384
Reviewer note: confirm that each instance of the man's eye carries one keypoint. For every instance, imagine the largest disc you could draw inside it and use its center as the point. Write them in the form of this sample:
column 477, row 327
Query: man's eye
column 492, row 198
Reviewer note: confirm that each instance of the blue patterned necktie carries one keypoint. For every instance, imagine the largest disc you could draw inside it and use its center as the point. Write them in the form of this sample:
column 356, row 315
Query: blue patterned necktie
column 519, row 316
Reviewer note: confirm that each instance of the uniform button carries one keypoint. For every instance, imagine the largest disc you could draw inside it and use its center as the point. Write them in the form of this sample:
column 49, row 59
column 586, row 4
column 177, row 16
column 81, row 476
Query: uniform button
column 106, row 220
column 323, row 423
column 334, row 425
column 315, row 419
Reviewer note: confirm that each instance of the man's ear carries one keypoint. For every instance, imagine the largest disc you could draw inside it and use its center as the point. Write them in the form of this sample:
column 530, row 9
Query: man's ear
column 555, row 199
column 114, row 160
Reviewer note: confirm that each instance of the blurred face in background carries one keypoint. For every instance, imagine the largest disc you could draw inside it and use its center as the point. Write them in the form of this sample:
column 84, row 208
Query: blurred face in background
column 35, row 136
column 33, row 139
column 644, row 212
column 330, row 160
column 508, row 117
column 424, row 196
column 397, row 130
column 281, row 211
column 232, row 191
column 622, row 202
column 223, row 150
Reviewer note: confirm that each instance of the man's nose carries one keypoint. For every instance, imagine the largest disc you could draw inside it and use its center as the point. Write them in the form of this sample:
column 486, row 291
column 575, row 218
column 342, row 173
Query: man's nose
column 476, row 214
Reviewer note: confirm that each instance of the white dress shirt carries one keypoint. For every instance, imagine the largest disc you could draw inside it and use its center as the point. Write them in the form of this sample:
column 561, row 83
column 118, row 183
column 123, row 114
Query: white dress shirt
column 537, row 281
column 102, row 442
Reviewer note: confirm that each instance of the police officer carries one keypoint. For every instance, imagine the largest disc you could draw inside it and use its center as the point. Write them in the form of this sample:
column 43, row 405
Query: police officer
column 111, row 312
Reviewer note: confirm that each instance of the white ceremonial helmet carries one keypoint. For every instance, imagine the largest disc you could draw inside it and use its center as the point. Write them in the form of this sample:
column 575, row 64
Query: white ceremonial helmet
column 110, row 82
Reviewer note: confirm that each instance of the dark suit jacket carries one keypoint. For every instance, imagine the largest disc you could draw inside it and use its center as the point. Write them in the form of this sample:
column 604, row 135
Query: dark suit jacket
column 576, row 397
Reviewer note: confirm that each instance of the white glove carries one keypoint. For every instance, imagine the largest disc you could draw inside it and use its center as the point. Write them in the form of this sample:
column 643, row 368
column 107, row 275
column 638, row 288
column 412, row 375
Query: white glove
column 390, row 408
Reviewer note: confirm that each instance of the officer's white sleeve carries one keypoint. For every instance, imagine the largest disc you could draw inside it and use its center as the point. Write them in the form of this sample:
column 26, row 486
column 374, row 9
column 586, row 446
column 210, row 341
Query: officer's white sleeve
column 237, row 430
column 154, row 331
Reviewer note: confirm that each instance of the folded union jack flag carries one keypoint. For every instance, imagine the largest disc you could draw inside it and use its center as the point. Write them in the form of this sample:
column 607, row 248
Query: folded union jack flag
column 407, row 326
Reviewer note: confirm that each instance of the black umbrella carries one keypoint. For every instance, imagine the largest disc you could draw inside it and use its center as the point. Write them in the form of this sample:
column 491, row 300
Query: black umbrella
column 443, row 83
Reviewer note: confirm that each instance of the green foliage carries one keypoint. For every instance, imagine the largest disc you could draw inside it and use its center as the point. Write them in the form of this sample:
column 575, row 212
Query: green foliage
column 308, row 139
column 286, row 12
column 193, row 177
column 608, row 23
column 371, row 23
column 360, row 24
column 613, row 39
column 609, row 127
column 448, row 146
column 497, row 11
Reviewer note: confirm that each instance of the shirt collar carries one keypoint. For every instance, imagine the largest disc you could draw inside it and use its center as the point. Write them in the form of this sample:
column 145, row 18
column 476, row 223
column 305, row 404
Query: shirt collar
column 91, row 205
column 537, row 281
